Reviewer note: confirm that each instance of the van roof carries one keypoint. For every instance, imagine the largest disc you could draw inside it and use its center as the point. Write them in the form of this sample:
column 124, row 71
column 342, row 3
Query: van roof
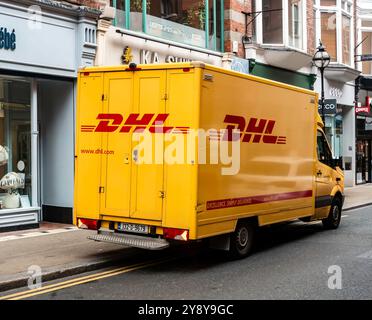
column 195, row 64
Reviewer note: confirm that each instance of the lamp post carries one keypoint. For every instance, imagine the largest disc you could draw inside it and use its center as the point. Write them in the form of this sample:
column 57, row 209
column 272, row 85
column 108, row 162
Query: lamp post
column 321, row 60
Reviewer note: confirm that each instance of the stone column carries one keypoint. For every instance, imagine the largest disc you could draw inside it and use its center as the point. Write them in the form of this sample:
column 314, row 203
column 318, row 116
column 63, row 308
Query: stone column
column 102, row 28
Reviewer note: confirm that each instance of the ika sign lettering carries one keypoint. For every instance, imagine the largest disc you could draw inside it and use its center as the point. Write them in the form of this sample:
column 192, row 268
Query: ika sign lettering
column 7, row 39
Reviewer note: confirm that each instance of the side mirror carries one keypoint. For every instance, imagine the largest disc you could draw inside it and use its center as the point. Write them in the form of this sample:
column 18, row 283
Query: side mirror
column 337, row 163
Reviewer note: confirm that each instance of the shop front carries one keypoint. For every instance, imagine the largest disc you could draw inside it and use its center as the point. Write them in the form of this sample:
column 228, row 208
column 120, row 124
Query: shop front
column 161, row 32
column 364, row 143
column 41, row 49
column 339, row 116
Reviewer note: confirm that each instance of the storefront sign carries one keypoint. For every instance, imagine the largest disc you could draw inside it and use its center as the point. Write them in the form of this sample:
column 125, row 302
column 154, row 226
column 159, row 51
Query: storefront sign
column 366, row 57
column 366, row 108
column 148, row 56
column 7, row 39
column 330, row 106
column 173, row 31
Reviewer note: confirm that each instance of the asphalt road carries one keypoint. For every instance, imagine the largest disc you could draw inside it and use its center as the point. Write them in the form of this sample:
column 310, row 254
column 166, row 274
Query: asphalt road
column 293, row 261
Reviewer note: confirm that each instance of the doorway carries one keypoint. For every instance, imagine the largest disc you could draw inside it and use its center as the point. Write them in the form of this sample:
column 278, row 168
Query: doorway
column 363, row 161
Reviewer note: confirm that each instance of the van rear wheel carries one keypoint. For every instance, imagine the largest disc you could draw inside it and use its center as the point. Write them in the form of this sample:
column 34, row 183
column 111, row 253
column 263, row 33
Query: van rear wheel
column 334, row 217
column 241, row 240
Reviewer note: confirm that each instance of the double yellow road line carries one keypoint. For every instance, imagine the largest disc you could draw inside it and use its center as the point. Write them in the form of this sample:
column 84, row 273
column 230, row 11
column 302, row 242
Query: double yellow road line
column 82, row 280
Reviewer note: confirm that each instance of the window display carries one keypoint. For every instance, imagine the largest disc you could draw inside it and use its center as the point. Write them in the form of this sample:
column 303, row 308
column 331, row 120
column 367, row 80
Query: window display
column 15, row 143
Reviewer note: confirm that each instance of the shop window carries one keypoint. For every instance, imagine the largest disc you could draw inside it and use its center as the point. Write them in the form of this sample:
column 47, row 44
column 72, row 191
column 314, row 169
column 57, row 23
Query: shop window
column 272, row 24
column 328, row 33
column 334, row 133
column 15, row 144
column 193, row 22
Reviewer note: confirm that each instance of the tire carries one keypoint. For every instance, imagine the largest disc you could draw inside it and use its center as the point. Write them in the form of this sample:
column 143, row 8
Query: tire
column 242, row 239
column 334, row 217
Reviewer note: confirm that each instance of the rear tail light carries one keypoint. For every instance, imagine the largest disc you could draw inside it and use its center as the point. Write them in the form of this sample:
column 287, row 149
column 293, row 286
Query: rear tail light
column 88, row 224
column 176, row 234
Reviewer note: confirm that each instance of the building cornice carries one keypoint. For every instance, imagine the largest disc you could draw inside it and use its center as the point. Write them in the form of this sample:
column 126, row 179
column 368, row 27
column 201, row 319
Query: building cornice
column 59, row 7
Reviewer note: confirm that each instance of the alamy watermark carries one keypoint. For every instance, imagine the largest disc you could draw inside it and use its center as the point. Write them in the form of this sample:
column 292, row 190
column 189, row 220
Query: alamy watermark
column 34, row 277
column 34, row 17
column 196, row 147
column 335, row 278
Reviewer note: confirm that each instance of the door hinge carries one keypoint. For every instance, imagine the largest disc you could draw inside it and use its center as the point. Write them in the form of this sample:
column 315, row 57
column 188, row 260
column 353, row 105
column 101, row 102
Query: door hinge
column 101, row 189
column 162, row 194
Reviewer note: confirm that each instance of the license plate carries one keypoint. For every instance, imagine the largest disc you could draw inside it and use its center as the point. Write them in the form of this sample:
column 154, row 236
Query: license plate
column 130, row 227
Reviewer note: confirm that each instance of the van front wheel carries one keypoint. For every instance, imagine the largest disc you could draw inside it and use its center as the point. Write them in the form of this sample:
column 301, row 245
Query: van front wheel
column 241, row 240
column 334, row 218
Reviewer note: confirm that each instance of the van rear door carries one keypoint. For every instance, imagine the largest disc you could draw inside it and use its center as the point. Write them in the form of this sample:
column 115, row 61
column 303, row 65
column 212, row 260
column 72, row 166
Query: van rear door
column 116, row 147
column 131, row 189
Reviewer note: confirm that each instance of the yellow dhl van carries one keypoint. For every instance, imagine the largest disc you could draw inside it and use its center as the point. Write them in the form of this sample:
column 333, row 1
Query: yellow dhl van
column 285, row 167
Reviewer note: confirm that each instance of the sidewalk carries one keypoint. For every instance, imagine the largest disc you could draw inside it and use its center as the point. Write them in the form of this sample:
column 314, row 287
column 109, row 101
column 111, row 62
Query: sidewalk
column 63, row 250
column 59, row 250
column 358, row 196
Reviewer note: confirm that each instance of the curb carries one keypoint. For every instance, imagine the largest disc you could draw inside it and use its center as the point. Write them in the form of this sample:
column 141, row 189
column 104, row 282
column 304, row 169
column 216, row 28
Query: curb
column 357, row 206
column 55, row 274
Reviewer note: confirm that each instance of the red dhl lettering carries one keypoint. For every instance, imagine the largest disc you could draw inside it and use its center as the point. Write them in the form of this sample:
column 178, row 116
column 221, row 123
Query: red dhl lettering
column 252, row 131
column 112, row 122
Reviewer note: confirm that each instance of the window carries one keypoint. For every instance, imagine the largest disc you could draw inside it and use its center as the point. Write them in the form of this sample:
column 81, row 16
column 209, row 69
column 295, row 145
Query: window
column 272, row 25
column 193, row 22
column 120, row 18
column 295, row 20
column 328, row 33
column 346, row 54
column 335, row 28
column 323, row 151
column 367, row 49
column 15, row 144
column 328, row 3
column 282, row 23
column 366, row 23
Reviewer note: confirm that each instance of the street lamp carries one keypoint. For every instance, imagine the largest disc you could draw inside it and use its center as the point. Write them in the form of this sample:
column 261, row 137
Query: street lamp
column 321, row 60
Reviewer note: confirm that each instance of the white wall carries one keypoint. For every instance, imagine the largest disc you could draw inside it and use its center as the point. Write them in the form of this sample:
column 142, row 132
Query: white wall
column 349, row 144
column 56, row 118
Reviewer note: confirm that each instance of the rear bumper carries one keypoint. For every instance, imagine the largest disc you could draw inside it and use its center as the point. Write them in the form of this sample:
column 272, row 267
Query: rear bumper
column 131, row 240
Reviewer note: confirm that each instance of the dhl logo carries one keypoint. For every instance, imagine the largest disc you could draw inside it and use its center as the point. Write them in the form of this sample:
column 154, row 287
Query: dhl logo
column 254, row 130
column 111, row 122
